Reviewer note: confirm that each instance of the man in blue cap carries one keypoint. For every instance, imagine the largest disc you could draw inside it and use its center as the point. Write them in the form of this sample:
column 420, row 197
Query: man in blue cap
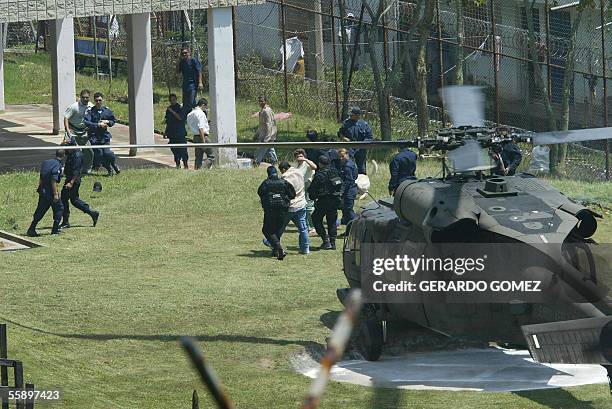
column 355, row 129
column 402, row 167
column 49, row 193
column 276, row 195
column 70, row 191
column 98, row 119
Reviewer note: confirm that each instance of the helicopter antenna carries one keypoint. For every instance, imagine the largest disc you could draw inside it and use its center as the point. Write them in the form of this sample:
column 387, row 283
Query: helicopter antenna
column 335, row 348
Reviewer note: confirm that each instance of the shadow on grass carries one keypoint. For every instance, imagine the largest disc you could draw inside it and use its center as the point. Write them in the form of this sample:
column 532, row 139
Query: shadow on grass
column 308, row 345
column 257, row 254
column 555, row 398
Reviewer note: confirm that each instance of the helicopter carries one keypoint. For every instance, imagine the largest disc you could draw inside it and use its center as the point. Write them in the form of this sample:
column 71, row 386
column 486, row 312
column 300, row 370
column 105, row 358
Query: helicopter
column 530, row 229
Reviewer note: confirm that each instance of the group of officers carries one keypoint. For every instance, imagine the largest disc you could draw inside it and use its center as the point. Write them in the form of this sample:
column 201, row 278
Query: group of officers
column 323, row 182
column 332, row 186
column 85, row 123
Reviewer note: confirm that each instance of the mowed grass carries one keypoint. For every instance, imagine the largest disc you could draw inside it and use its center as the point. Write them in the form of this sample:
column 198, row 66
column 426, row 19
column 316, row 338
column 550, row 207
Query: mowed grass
column 98, row 312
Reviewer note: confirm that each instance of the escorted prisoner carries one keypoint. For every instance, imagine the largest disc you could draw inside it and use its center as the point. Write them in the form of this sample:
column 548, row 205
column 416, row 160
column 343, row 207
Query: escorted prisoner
column 49, row 193
column 349, row 188
column 191, row 70
column 175, row 119
column 508, row 157
column 200, row 129
column 266, row 132
column 402, row 167
column 98, row 119
column 355, row 129
column 72, row 183
column 326, row 190
column 308, row 168
column 74, row 124
column 276, row 195
column 297, row 208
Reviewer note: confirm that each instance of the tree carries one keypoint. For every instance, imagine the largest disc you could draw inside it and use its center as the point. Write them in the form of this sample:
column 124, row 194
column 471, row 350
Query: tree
column 382, row 87
column 460, row 40
column 541, row 84
column 345, row 59
column 568, row 81
column 426, row 7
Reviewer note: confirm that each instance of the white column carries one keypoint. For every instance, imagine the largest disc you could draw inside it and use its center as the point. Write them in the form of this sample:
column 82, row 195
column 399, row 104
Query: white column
column 62, row 69
column 140, row 80
column 2, row 106
column 221, row 80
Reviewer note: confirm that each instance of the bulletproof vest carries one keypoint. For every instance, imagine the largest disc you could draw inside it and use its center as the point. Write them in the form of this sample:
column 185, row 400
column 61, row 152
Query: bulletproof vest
column 276, row 195
column 333, row 183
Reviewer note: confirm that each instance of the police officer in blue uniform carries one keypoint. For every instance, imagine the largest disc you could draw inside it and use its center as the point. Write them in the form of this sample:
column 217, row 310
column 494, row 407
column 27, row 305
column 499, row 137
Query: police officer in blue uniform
column 349, row 188
column 402, row 167
column 326, row 190
column 175, row 131
column 98, row 119
column 49, row 193
column 72, row 183
column 314, row 153
column 508, row 158
column 191, row 70
column 356, row 129
column 276, row 195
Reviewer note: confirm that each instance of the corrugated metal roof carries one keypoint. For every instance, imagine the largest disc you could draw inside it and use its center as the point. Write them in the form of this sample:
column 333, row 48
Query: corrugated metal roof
column 26, row 10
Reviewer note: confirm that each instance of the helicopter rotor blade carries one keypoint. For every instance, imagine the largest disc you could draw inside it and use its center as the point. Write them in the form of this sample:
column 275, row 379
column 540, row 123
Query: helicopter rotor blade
column 469, row 158
column 465, row 105
column 576, row 135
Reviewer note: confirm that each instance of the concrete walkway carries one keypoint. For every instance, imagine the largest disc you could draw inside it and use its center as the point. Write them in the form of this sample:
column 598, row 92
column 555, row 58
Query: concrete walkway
column 32, row 125
column 487, row 370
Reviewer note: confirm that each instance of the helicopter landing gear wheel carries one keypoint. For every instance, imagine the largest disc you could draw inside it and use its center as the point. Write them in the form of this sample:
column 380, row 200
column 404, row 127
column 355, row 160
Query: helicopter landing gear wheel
column 369, row 340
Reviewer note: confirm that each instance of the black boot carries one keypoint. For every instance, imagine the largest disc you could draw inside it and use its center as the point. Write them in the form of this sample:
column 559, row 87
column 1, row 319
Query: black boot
column 65, row 224
column 332, row 243
column 55, row 229
column 116, row 168
column 94, row 217
column 32, row 231
column 326, row 245
column 280, row 253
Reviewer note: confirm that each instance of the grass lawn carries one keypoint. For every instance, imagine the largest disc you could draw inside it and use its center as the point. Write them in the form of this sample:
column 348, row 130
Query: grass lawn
column 99, row 312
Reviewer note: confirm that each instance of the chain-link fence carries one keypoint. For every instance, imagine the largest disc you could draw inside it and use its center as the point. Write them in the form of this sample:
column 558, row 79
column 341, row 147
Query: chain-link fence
column 342, row 53
column 520, row 62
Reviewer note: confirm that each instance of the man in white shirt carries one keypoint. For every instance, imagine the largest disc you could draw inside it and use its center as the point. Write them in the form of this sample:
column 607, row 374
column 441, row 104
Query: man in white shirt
column 307, row 167
column 74, row 125
column 297, row 207
column 266, row 132
column 198, row 125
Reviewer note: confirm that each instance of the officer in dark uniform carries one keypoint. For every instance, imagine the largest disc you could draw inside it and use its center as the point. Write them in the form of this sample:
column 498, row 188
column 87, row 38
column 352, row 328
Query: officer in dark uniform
column 402, row 167
column 98, row 119
column 275, row 194
column 356, row 129
column 349, row 188
column 508, row 158
column 70, row 191
column 49, row 193
column 326, row 190
column 314, row 153
column 175, row 130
